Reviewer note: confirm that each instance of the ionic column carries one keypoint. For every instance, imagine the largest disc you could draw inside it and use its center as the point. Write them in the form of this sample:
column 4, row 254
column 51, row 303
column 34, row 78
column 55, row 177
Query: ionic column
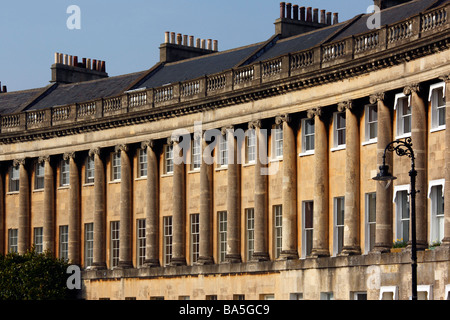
column 383, row 228
column 152, row 217
column 74, row 251
column 49, row 205
column 179, row 207
column 446, row 241
column 23, row 241
column 233, row 208
column 289, row 190
column 125, row 231
column 99, row 252
column 206, row 200
column 320, row 214
column 419, row 139
column 261, row 247
column 351, row 216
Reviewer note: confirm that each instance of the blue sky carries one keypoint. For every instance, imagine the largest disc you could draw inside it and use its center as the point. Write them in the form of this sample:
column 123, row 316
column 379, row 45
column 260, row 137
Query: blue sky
column 127, row 34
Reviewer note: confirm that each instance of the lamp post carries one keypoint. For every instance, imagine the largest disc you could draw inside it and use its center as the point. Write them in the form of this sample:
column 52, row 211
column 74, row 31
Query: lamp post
column 404, row 148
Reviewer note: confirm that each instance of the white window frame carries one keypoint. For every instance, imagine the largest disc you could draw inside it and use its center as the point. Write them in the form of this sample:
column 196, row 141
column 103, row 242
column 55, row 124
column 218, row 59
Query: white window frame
column 389, row 289
column 64, row 242
column 38, row 239
column 400, row 130
column 168, row 159
column 196, row 154
column 88, row 244
column 433, row 98
column 142, row 163
column 368, row 123
column 14, row 179
column 428, row 289
column 368, row 223
column 115, row 243
column 141, row 241
column 434, row 219
column 222, row 155
column 306, row 136
column 398, row 210
column 39, row 176
column 336, row 145
column 222, row 229
column 64, row 173
column 116, row 166
column 277, row 142
column 89, row 170
column 305, row 230
column 250, row 232
column 13, row 237
column 447, row 292
column 277, row 230
column 250, row 146
column 167, row 240
column 338, row 234
column 194, row 237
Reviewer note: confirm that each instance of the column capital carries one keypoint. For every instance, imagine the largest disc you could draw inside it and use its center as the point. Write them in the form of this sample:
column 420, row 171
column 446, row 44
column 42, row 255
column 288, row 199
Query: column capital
column 42, row 159
column 380, row 96
column 224, row 130
column 346, row 105
column 415, row 87
column 148, row 144
column 19, row 162
column 121, row 147
column 69, row 155
column 254, row 124
column 283, row 118
column 95, row 151
column 315, row 112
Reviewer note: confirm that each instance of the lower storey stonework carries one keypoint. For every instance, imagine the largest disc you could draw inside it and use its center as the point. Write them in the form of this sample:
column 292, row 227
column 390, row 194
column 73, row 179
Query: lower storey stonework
column 374, row 276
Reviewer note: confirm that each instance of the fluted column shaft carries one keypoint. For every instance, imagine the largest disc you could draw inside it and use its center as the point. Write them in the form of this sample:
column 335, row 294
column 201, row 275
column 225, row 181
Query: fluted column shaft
column 49, row 205
column 99, row 252
column 351, row 217
column 152, row 217
column 383, row 229
column 179, row 207
column 289, row 190
column 233, row 208
column 419, row 140
column 446, row 240
column 74, row 248
column 23, row 241
column 206, row 192
column 261, row 211
column 125, row 231
column 320, row 214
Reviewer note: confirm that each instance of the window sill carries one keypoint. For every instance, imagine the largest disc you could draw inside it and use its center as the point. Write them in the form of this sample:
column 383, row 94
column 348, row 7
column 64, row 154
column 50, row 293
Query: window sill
column 221, row 168
column 403, row 136
column 338, row 148
column 38, row 190
column 165, row 175
column 440, row 128
column 194, row 171
column 63, row 187
column 307, row 153
column 114, row 181
column 89, row 184
column 12, row 193
column 249, row 164
column 369, row 142
column 141, row 178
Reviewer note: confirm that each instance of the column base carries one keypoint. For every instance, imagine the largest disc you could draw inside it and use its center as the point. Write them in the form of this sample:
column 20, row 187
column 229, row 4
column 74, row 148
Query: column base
column 319, row 253
column 420, row 245
column 381, row 248
column 124, row 265
column 288, row 255
column 151, row 263
column 260, row 257
column 350, row 251
column 445, row 243
column 98, row 266
column 204, row 261
column 178, row 262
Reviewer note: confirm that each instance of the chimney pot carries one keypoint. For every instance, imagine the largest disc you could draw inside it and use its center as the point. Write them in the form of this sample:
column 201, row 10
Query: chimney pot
column 282, row 10
column 309, row 14
column 316, row 15
column 185, row 40
column 215, row 45
column 329, row 18
column 197, row 44
column 172, row 37
column 5, row 90
column 66, row 59
column 84, row 63
column 209, row 44
column 335, row 18
column 302, row 14
column 323, row 18
column 289, row 11
column 75, row 61
column 56, row 57
column 94, row 65
column 295, row 12
column 179, row 37
column 167, row 37
column 203, row 43
column 191, row 41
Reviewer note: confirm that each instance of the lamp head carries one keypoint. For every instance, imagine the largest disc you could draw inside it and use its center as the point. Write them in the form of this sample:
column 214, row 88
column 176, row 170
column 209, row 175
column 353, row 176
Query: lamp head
column 384, row 177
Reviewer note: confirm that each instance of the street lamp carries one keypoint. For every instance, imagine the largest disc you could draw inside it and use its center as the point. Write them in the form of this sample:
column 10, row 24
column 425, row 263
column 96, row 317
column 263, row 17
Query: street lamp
column 404, row 148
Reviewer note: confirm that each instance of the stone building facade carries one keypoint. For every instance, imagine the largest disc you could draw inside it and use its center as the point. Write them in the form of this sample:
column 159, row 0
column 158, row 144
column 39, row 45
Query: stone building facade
column 120, row 175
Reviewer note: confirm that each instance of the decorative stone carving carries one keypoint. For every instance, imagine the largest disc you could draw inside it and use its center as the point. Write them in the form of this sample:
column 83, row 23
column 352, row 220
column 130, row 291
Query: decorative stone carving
column 380, row 96
column 342, row 106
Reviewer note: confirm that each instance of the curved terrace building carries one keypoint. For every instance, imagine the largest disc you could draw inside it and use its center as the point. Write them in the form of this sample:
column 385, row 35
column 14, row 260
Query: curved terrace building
column 246, row 173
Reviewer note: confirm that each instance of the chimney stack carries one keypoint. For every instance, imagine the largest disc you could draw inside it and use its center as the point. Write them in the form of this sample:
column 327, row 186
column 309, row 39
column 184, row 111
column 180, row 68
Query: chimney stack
column 3, row 89
column 67, row 69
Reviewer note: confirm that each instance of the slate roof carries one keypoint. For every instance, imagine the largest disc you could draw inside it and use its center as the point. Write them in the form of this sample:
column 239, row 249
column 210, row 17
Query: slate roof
column 64, row 94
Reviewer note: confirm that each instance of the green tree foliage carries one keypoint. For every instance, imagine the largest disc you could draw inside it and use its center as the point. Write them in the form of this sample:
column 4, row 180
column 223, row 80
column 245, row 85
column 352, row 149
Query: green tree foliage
column 33, row 276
